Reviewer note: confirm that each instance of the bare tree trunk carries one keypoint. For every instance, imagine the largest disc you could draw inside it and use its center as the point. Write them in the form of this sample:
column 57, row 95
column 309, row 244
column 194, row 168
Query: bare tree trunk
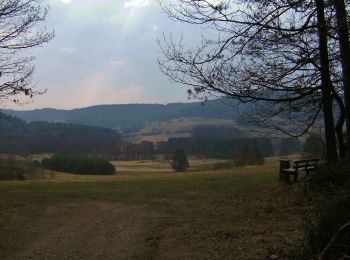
column 340, row 124
column 344, row 44
column 331, row 145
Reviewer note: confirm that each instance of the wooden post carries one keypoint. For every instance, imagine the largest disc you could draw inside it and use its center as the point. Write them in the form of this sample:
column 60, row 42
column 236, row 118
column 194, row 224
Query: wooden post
column 284, row 164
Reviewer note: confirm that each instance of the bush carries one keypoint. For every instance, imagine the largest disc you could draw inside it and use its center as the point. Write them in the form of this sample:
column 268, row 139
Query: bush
column 337, row 213
column 331, row 177
column 330, row 186
column 179, row 161
column 79, row 165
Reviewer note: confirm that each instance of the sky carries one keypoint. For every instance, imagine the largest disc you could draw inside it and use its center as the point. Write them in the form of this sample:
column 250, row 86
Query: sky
column 104, row 52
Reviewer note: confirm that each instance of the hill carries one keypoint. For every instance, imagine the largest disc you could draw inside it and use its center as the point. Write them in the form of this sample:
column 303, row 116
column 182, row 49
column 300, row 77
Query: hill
column 130, row 118
column 17, row 136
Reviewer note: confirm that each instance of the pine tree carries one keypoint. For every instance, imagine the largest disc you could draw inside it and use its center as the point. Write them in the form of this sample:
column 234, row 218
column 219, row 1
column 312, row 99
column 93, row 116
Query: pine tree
column 179, row 161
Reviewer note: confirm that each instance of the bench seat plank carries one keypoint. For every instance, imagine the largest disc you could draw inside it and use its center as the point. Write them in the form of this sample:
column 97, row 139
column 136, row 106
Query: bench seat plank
column 291, row 170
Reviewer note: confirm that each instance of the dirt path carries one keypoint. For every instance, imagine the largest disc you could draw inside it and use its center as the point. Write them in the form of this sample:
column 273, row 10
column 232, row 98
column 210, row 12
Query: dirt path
column 90, row 230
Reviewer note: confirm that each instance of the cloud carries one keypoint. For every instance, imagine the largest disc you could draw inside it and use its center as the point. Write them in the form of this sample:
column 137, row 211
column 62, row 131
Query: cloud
column 70, row 50
column 154, row 27
column 99, row 55
column 118, row 62
column 136, row 3
column 97, row 90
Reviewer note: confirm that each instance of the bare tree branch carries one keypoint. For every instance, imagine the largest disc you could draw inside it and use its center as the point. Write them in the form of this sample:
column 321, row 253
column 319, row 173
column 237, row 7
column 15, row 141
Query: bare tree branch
column 20, row 31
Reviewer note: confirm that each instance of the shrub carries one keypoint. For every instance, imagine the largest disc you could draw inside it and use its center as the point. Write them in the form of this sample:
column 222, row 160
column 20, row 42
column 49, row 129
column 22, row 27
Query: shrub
column 331, row 177
column 179, row 161
column 79, row 165
column 330, row 186
column 332, row 216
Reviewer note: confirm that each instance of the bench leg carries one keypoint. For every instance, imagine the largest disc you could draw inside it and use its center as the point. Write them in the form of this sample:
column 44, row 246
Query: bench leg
column 296, row 177
column 287, row 176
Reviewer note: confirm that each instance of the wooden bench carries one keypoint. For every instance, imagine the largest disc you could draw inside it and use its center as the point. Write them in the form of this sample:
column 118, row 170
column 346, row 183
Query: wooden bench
column 306, row 165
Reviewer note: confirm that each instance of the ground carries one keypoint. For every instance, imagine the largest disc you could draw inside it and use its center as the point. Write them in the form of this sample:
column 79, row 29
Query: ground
column 239, row 213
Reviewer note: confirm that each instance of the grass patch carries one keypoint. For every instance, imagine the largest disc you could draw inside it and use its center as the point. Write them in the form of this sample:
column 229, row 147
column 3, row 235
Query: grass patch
column 224, row 165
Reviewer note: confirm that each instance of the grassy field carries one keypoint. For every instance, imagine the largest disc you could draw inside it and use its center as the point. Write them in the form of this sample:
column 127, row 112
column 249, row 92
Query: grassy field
column 149, row 212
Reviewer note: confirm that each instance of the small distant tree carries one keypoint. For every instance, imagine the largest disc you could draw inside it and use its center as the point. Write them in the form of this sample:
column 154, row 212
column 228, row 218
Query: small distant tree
column 179, row 161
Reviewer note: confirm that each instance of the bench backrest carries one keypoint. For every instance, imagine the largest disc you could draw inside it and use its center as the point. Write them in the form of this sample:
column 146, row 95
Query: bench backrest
column 305, row 163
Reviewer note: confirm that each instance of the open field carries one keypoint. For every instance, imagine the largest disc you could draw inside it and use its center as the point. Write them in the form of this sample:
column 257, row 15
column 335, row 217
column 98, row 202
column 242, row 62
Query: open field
column 162, row 166
column 240, row 213
column 182, row 127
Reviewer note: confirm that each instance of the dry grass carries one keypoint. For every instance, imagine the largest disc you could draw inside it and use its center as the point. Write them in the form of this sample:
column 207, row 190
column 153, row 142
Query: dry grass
column 239, row 213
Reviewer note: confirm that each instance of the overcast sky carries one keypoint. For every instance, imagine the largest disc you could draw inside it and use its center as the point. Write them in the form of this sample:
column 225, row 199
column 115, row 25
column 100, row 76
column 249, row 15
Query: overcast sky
column 104, row 52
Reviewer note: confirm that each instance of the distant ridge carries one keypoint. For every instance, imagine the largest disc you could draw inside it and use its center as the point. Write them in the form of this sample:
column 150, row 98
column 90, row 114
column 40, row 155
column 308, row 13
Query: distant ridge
column 125, row 116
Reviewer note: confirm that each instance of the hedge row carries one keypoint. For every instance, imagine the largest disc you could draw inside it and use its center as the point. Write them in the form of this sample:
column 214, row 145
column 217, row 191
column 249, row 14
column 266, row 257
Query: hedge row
column 79, row 165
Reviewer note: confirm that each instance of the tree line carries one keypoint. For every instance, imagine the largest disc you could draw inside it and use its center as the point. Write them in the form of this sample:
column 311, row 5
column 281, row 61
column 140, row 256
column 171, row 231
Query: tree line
column 217, row 148
column 79, row 165
column 225, row 142
column 19, row 137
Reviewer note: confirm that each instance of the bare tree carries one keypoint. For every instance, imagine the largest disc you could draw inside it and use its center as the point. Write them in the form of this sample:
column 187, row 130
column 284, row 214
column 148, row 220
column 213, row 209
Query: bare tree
column 20, row 31
column 344, row 46
column 272, row 53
